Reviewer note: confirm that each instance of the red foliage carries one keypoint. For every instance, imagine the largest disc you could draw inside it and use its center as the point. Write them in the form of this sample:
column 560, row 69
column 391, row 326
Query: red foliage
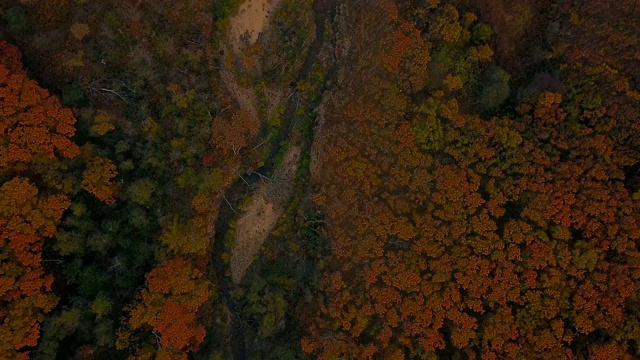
column 209, row 160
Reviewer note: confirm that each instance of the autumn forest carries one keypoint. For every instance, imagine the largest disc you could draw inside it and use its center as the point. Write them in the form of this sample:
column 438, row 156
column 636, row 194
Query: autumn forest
column 319, row 179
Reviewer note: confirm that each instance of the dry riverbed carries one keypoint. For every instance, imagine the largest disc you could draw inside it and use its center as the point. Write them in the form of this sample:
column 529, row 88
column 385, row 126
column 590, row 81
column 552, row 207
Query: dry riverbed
column 267, row 202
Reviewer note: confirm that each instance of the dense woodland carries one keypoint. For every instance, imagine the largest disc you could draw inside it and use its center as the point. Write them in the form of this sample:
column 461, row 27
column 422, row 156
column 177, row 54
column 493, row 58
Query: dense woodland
column 468, row 185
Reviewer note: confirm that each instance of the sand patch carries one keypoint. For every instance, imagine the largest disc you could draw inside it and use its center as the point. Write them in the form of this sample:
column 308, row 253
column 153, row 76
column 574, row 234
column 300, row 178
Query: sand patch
column 260, row 216
column 252, row 229
column 252, row 19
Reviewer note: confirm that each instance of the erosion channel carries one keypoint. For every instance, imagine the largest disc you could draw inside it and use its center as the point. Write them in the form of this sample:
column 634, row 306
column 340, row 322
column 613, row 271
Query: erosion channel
column 324, row 10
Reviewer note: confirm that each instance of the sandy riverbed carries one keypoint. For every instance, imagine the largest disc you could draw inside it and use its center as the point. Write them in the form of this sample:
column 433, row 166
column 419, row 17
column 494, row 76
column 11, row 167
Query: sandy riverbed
column 252, row 19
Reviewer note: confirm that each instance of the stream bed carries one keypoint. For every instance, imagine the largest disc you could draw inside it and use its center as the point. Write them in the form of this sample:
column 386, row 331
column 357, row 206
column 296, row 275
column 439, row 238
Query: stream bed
column 323, row 12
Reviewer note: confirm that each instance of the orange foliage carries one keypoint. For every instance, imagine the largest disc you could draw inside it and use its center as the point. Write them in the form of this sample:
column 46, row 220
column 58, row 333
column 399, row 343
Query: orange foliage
column 520, row 236
column 235, row 133
column 35, row 134
column 96, row 179
column 35, row 128
column 168, row 307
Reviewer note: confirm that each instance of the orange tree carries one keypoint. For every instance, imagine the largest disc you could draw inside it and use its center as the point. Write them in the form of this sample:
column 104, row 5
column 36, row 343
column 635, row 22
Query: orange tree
column 35, row 141
column 166, row 311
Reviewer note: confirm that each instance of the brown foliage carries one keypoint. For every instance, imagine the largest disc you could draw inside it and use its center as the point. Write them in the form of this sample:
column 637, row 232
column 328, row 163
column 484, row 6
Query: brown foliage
column 231, row 135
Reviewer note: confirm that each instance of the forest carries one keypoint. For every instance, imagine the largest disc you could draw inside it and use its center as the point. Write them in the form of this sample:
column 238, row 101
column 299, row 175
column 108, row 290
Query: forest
column 319, row 179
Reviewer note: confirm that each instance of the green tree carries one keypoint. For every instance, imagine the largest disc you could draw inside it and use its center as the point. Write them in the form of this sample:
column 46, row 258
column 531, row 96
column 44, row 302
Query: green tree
column 495, row 88
column 101, row 306
column 481, row 33
column 141, row 191
column 17, row 20
column 56, row 328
